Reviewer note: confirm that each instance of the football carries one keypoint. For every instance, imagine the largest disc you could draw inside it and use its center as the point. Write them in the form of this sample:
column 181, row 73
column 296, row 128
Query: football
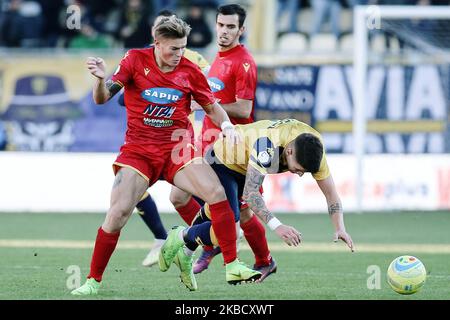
column 406, row 274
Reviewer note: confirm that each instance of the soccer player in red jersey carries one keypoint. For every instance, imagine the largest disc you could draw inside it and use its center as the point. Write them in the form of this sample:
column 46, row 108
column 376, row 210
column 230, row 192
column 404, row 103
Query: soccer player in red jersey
column 159, row 85
column 232, row 79
column 146, row 208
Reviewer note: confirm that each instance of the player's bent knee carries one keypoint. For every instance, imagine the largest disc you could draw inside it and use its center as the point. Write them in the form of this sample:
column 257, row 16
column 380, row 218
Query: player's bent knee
column 179, row 199
column 118, row 215
column 215, row 194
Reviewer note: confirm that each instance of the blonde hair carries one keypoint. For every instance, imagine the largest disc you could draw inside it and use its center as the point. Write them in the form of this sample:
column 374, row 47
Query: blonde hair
column 171, row 28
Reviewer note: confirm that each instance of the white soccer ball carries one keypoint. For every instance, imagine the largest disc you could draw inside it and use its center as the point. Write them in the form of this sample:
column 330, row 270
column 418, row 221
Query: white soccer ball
column 406, row 274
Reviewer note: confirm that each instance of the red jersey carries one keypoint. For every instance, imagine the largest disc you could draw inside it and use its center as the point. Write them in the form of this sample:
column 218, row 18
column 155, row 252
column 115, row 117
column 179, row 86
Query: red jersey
column 158, row 102
column 232, row 75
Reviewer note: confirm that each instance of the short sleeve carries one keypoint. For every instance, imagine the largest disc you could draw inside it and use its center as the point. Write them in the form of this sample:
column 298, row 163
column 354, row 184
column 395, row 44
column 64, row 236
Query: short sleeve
column 202, row 63
column 246, row 80
column 123, row 73
column 197, row 59
column 200, row 89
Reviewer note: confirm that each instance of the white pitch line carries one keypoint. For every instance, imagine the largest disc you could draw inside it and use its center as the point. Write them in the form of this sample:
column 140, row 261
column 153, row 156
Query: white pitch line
column 276, row 246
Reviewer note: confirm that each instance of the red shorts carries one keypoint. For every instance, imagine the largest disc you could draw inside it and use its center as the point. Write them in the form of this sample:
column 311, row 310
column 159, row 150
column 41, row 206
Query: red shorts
column 157, row 161
column 207, row 139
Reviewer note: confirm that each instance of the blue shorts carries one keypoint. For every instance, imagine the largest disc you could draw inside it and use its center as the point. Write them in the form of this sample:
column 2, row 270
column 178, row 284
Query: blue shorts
column 232, row 181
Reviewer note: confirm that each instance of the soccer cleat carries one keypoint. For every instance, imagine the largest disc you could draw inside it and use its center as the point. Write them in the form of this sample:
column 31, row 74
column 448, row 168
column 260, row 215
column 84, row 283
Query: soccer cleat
column 205, row 259
column 89, row 288
column 184, row 262
column 170, row 248
column 266, row 270
column 238, row 272
column 153, row 256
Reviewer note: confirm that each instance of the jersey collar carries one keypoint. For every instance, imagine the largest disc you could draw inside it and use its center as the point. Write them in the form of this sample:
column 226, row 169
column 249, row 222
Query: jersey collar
column 231, row 51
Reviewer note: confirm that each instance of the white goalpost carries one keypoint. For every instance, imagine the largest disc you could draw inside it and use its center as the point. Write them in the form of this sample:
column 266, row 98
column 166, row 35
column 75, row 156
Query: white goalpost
column 367, row 18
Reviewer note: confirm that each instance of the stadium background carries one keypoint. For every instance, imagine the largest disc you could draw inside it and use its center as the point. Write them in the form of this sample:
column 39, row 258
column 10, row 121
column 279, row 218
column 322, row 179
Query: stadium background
column 58, row 146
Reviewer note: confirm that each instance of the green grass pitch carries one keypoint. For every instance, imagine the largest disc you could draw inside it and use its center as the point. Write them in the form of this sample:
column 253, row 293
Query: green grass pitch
column 36, row 251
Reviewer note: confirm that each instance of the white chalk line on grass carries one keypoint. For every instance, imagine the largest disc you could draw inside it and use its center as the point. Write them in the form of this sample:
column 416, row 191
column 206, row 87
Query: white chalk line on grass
column 274, row 246
column 352, row 275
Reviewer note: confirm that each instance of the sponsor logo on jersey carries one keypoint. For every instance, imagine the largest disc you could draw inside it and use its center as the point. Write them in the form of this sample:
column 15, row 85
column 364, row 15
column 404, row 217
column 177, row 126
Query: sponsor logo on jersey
column 146, row 71
column 161, row 95
column 246, row 66
column 159, row 111
column 264, row 152
column 215, row 84
column 264, row 158
column 158, row 123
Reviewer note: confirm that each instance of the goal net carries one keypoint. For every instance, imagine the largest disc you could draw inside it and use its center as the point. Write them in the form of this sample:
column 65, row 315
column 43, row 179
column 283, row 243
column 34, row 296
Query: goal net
column 408, row 46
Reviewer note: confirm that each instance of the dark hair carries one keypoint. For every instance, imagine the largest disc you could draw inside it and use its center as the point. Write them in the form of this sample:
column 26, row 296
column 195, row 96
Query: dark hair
column 230, row 9
column 308, row 152
column 166, row 13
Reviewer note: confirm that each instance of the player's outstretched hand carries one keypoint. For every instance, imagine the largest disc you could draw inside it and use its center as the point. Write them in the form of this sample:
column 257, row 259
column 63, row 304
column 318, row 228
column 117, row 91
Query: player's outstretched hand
column 96, row 67
column 289, row 234
column 344, row 236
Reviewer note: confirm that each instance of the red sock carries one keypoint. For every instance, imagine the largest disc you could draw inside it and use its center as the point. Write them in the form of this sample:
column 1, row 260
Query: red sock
column 208, row 248
column 103, row 249
column 255, row 234
column 224, row 226
column 189, row 211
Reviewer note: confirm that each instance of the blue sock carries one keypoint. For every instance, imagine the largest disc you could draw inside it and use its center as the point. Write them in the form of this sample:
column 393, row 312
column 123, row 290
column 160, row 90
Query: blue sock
column 149, row 213
column 201, row 217
column 200, row 201
column 198, row 234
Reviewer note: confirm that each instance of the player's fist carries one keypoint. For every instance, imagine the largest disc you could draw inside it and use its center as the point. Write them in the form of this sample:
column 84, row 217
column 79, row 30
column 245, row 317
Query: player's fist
column 289, row 234
column 96, row 67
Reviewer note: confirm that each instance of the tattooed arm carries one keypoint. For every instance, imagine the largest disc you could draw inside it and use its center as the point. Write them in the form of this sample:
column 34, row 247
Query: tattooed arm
column 335, row 210
column 102, row 91
column 253, row 197
column 255, row 201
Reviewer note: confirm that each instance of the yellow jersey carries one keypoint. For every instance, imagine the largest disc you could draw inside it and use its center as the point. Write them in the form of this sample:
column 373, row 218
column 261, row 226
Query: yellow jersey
column 197, row 59
column 262, row 146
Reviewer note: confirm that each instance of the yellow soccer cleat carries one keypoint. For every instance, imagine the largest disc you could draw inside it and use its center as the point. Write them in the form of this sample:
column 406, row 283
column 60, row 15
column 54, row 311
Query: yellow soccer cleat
column 170, row 248
column 184, row 263
column 238, row 272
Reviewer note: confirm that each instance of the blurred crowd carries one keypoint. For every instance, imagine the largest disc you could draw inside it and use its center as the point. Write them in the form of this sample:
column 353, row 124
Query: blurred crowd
column 95, row 23
column 329, row 12
column 126, row 23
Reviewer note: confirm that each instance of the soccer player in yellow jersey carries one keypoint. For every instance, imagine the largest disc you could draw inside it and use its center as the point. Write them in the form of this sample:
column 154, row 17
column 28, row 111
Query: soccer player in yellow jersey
column 268, row 147
column 147, row 208
column 271, row 147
